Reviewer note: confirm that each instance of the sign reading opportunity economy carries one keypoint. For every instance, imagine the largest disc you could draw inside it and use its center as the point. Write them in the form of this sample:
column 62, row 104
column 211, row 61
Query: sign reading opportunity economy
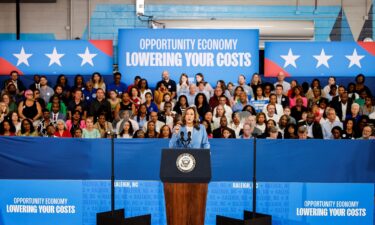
column 344, row 59
column 56, row 57
column 218, row 54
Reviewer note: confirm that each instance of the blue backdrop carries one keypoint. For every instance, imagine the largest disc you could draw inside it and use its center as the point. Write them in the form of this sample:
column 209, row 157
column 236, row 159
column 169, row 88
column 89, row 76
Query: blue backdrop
column 218, row 54
column 301, row 182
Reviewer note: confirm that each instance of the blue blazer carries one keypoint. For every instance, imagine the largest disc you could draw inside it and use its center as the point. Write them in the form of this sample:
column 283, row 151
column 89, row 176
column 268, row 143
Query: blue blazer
column 199, row 138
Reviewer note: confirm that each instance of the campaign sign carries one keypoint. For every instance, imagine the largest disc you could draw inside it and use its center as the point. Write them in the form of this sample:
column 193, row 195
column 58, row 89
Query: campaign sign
column 314, row 59
column 56, row 57
column 217, row 54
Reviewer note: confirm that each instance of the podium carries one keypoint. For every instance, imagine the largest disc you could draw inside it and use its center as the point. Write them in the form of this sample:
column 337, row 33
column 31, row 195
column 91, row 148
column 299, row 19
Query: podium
column 185, row 174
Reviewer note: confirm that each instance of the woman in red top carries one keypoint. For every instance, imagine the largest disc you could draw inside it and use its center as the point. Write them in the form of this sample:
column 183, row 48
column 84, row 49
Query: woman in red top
column 61, row 130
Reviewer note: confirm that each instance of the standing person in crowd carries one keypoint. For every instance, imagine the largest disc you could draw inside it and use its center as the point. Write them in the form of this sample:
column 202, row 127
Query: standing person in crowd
column 104, row 127
column 199, row 79
column 37, row 98
column 7, row 128
column 190, row 124
column 281, row 81
column 316, row 98
column 27, row 129
column 100, row 105
column 201, row 89
column 77, row 100
column 143, row 89
column 166, row 98
column 183, row 85
column 330, row 123
column 51, row 130
column 125, row 115
column 332, row 92
column 45, row 91
column 98, row 81
column 18, row 84
column 215, row 99
column 340, row 91
column 168, row 83
column 117, row 86
column 61, row 130
column 29, row 108
column 367, row 108
column 242, row 82
column 90, row 131
column 260, row 122
column 75, row 122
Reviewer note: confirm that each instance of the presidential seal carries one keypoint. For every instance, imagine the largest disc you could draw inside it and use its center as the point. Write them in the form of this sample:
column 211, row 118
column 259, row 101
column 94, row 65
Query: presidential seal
column 185, row 162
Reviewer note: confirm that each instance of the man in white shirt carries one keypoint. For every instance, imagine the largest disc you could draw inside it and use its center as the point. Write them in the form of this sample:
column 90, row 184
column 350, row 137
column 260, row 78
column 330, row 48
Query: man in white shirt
column 330, row 123
column 227, row 108
column 271, row 113
column 154, row 118
column 125, row 115
column 273, row 101
column 280, row 80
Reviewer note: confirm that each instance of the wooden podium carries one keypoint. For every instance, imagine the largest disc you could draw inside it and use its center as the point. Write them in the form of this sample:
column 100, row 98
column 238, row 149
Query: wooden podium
column 185, row 174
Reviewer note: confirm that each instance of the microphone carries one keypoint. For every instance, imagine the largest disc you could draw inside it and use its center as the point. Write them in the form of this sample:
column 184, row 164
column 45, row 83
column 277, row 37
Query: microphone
column 189, row 136
column 182, row 135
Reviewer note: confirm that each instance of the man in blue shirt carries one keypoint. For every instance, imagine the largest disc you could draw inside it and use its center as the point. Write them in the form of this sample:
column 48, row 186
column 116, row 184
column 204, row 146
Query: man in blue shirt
column 117, row 85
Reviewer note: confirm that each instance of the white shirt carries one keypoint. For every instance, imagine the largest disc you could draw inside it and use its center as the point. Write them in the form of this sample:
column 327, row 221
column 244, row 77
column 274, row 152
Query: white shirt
column 343, row 109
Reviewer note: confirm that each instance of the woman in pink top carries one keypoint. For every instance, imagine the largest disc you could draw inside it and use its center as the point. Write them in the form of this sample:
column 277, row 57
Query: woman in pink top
column 297, row 93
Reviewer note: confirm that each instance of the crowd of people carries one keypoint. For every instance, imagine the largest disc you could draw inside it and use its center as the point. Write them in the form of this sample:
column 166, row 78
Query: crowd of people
column 242, row 109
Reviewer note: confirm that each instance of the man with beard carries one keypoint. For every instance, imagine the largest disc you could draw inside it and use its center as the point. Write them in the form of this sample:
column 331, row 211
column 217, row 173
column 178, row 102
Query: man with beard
column 314, row 129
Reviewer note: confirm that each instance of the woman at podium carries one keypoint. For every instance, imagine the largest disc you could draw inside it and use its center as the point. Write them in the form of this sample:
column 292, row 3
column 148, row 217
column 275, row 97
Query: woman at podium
column 191, row 134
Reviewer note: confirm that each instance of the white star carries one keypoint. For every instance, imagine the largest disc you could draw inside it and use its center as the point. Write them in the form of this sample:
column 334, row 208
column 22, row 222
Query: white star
column 355, row 59
column 290, row 59
column 322, row 59
column 87, row 57
column 22, row 57
column 54, row 57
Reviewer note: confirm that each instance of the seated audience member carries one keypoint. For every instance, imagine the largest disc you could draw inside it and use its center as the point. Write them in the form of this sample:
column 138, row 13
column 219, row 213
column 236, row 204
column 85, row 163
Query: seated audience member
column 281, row 98
column 367, row 133
column 117, row 86
column 226, row 133
column 125, row 104
column 4, row 111
column 8, row 101
column 221, row 83
column 290, row 131
column 314, row 129
column 281, row 81
column 273, row 133
column 62, row 81
column 61, row 130
column 56, row 99
column 104, row 127
column 151, row 106
column 16, row 82
column 167, row 116
column 166, row 98
column 298, row 110
column 199, row 78
column 218, row 133
column 78, row 133
column 259, row 100
column 151, row 130
column 332, row 93
column 214, row 100
column 362, row 97
column 354, row 112
column 270, row 124
column 45, row 91
column 315, row 84
column 79, row 83
column 360, row 84
column 236, row 124
column 283, row 122
column 297, row 93
column 50, row 131
column 241, row 103
column 55, row 112
column 165, row 132
column 134, row 84
column 327, row 88
column 201, row 104
column 90, row 131
column 100, row 105
column 89, row 93
column 14, row 118
column 29, row 108
column 349, row 131
column 127, row 131
column 159, row 95
column 114, row 101
column 183, row 85
column 242, row 82
column 260, row 122
column 268, row 89
column 139, row 134
column 218, row 113
column 236, row 95
column 98, row 81
column 247, row 131
column 336, row 133
column 330, row 123
column 7, row 128
column 342, row 106
column 27, row 129
column 208, row 128
column 168, row 83
column 223, row 102
column 125, row 116
column 181, row 105
column 75, row 122
column 201, row 89
column 273, row 101
column 77, row 100
column 143, row 90
column 271, row 113
column 367, row 108
column 155, row 119
column 142, row 117
column 302, row 133
column 43, row 124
